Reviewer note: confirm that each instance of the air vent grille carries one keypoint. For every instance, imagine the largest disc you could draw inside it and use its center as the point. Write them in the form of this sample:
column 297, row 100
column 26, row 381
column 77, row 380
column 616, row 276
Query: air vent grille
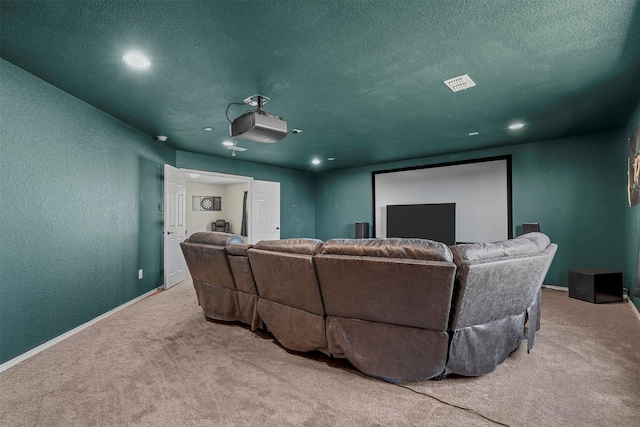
column 459, row 83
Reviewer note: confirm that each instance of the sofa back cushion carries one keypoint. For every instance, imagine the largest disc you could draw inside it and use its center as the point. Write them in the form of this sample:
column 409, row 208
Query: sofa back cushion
column 215, row 238
column 526, row 244
column 497, row 280
column 405, row 282
column 422, row 249
column 240, row 267
column 206, row 258
column 285, row 273
column 293, row 246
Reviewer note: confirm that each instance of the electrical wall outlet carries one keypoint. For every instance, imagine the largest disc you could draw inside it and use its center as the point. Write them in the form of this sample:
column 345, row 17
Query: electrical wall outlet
column 139, row 274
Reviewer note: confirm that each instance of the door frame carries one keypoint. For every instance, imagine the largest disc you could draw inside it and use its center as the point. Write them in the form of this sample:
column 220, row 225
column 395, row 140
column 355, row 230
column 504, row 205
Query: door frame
column 172, row 255
column 255, row 200
column 223, row 176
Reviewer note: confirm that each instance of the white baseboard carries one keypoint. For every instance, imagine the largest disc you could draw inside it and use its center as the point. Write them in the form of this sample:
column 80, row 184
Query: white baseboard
column 556, row 288
column 634, row 308
column 24, row 356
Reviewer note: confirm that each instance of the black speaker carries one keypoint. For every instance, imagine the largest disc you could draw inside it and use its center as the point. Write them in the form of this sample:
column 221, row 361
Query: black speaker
column 362, row 230
column 530, row 227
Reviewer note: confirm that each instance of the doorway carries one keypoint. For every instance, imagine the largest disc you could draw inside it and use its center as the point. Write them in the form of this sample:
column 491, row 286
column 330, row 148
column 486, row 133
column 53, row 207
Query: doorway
column 212, row 197
column 232, row 197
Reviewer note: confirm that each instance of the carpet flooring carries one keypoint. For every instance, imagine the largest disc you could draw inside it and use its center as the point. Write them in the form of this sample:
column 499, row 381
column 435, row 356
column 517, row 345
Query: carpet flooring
column 160, row 363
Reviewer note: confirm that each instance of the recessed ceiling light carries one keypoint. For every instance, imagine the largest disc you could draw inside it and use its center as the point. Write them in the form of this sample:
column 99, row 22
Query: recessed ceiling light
column 161, row 138
column 315, row 161
column 194, row 175
column 227, row 144
column 516, row 126
column 208, row 129
column 136, row 60
column 331, row 158
column 474, row 133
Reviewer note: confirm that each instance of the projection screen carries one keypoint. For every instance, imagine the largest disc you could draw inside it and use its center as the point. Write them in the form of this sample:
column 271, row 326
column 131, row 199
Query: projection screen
column 481, row 190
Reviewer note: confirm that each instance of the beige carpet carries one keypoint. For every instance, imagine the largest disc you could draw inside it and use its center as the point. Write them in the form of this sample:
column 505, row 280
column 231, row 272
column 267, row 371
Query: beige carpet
column 158, row 362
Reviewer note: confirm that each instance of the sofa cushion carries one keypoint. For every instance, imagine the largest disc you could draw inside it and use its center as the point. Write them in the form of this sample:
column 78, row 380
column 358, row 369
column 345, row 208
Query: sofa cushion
column 422, row 249
column 294, row 246
column 540, row 239
column 214, row 238
column 242, row 274
column 406, row 292
column 208, row 263
column 238, row 249
column 287, row 278
column 530, row 243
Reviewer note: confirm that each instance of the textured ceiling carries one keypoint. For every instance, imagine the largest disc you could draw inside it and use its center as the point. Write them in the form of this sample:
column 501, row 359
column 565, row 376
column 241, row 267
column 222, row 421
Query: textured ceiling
column 363, row 80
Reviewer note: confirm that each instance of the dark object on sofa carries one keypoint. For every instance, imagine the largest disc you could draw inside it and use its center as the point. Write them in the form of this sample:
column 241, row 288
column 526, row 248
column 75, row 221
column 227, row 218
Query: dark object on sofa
column 220, row 225
column 206, row 257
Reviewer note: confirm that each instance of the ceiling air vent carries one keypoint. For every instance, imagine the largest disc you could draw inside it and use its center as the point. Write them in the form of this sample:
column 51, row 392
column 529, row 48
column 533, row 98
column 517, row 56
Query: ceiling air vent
column 459, row 83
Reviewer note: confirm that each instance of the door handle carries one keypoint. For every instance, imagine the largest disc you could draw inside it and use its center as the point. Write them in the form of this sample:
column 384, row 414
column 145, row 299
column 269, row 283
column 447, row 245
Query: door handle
column 169, row 232
column 277, row 228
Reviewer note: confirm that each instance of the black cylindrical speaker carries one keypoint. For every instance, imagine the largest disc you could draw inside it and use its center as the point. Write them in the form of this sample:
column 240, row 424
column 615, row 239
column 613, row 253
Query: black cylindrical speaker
column 362, row 230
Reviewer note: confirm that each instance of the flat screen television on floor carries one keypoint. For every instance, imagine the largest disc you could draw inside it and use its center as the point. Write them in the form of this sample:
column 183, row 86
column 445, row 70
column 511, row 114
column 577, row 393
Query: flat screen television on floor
column 434, row 221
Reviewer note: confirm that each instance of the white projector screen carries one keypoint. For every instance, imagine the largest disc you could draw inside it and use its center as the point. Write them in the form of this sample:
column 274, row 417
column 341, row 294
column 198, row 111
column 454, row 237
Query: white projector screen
column 481, row 190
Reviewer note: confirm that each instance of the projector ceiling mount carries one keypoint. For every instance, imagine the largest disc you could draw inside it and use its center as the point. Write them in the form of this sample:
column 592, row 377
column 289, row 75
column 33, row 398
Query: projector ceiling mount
column 257, row 100
column 257, row 125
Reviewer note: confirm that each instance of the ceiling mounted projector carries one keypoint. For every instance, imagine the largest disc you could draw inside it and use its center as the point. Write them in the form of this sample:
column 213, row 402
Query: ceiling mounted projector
column 258, row 125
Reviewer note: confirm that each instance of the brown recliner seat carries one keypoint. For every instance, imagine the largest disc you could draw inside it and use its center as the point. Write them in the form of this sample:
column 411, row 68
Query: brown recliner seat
column 290, row 303
column 206, row 256
column 497, row 284
column 245, row 284
column 387, row 304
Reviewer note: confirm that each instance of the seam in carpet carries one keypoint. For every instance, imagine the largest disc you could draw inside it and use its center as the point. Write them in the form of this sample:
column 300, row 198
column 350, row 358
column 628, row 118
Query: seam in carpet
column 360, row 374
column 451, row 404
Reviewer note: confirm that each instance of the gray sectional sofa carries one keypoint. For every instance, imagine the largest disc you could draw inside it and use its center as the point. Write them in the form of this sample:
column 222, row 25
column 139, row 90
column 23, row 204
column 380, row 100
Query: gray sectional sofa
column 397, row 309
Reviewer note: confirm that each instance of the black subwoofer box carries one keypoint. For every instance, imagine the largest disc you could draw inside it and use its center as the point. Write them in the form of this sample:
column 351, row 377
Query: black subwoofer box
column 595, row 285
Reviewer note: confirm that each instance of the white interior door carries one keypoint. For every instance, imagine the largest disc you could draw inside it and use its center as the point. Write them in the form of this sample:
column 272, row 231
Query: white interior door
column 174, row 226
column 265, row 209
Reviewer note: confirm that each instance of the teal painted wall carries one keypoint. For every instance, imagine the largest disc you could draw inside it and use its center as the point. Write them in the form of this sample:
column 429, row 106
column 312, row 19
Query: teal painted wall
column 80, row 194
column 570, row 186
column 297, row 190
column 632, row 218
